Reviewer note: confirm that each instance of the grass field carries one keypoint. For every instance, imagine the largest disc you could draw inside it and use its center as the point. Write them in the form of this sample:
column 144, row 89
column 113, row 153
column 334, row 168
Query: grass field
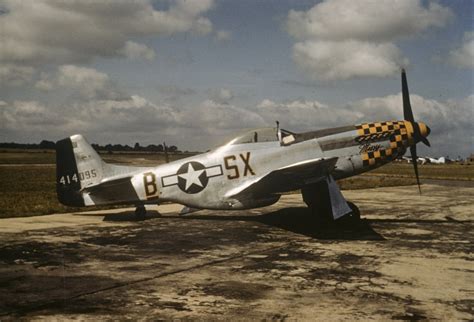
column 27, row 157
column 49, row 157
column 453, row 171
column 30, row 190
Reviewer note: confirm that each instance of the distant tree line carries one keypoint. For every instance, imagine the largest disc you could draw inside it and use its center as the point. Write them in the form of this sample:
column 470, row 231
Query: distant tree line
column 108, row 147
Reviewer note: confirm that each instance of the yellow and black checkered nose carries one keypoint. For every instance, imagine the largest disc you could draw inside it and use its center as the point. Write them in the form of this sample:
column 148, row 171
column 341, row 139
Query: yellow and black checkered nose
column 416, row 131
column 398, row 134
column 410, row 130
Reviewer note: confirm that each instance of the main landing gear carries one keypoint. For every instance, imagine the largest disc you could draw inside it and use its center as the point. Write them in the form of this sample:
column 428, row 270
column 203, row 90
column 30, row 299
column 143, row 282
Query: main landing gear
column 327, row 204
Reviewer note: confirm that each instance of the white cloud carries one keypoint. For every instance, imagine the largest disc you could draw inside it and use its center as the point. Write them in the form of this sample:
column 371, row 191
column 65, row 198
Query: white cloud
column 463, row 57
column 90, row 82
column 131, row 115
column 44, row 83
column 70, row 75
column 220, row 95
column 28, row 116
column 104, row 112
column 213, row 117
column 332, row 60
column 98, row 99
column 342, row 39
column 366, row 20
column 133, row 50
column 204, row 125
column 64, row 32
column 15, row 75
column 299, row 115
column 85, row 82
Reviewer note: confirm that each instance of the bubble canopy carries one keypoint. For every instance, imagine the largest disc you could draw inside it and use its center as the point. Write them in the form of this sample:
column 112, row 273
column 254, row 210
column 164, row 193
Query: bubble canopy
column 261, row 135
column 267, row 134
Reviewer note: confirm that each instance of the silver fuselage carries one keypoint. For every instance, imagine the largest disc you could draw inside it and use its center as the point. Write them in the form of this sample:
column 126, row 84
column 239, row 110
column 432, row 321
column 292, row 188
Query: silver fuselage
column 209, row 180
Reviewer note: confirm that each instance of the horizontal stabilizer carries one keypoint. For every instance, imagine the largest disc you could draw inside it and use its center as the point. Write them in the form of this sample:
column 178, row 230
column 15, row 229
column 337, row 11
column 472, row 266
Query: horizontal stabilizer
column 119, row 190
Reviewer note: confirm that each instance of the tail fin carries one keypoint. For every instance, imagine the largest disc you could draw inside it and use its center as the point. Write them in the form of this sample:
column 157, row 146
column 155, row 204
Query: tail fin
column 77, row 166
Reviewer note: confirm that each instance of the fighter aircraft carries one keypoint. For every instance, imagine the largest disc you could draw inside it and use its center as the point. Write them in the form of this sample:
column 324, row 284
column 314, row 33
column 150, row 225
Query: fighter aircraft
column 440, row 160
column 419, row 160
column 252, row 170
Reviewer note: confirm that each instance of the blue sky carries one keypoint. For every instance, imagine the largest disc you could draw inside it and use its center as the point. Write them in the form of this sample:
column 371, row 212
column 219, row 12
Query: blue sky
column 194, row 72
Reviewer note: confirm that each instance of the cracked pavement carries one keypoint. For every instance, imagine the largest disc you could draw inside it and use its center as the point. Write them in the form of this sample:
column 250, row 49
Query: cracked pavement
column 410, row 257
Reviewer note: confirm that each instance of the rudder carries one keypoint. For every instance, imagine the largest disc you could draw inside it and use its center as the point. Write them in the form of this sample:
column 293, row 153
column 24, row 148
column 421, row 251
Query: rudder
column 77, row 166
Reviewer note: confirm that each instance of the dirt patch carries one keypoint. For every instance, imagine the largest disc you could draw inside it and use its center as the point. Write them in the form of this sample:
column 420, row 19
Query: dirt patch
column 40, row 254
column 236, row 290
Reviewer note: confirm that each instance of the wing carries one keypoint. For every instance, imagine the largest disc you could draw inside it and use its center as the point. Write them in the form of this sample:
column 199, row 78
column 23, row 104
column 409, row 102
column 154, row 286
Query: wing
column 287, row 178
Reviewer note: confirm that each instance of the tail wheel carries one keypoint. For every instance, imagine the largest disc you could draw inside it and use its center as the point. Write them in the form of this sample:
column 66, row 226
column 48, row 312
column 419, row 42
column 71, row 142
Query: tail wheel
column 140, row 212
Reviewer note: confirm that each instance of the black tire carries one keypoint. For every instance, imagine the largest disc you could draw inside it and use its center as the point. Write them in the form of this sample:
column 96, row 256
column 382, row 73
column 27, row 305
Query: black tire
column 351, row 218
column 355, row 214
column 140, row 212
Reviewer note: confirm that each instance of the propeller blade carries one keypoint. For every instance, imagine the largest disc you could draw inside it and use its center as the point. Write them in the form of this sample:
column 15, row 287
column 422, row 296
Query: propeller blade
column 425, row 141
column 408, row 115
column 415, row 165
column 407, row 112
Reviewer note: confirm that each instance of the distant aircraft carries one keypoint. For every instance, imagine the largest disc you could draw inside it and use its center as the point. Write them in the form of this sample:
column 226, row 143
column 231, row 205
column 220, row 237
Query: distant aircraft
column 252, row 170
column 440, row 160
column 419, row 160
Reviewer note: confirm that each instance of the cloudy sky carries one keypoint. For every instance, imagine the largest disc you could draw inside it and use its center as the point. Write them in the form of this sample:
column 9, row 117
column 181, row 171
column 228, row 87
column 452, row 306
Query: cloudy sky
column 194, row 72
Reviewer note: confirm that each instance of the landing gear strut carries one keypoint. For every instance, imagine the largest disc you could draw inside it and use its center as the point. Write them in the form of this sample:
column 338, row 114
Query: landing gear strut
column 140, row 212
column 327, row 204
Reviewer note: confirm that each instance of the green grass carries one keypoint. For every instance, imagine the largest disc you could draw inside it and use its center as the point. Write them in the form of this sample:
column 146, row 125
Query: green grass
column 12, row 156
column 363, row 182
column 145, row 159
column 31, row 190
column 27, row 157
column 28, row 192
column 453, row 171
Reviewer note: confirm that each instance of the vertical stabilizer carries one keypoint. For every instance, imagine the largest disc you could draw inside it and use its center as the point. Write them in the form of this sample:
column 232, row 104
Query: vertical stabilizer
column 77, row 166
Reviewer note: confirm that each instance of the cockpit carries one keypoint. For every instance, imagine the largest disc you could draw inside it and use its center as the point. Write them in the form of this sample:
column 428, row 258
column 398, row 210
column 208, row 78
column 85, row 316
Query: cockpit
column 268, row 134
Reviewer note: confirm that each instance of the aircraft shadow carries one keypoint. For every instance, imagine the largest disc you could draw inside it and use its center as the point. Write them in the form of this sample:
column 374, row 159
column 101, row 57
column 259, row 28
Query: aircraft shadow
column 130, row 216
column 448, row 220
column 299, row 220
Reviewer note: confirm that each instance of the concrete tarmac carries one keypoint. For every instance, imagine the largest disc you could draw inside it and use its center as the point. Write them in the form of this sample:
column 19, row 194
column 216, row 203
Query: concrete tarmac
column 410, row 257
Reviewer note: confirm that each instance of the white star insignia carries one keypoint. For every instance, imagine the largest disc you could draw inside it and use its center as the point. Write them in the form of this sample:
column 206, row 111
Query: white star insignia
column 192, row 177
